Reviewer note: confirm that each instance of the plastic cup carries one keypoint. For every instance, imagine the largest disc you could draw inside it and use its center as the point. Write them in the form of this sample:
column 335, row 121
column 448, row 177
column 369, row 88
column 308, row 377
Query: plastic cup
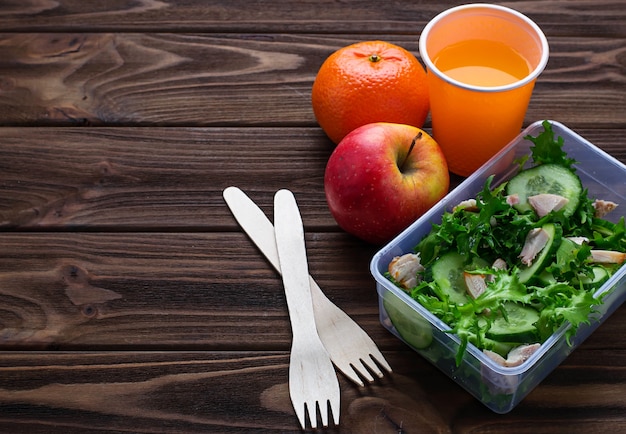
column 482, row 62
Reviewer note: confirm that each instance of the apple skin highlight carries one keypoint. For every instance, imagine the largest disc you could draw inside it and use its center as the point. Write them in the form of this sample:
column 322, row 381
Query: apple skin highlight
column 375, row 187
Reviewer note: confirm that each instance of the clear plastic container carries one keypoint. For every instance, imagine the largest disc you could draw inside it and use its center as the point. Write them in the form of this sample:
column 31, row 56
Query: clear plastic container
column 501, row 388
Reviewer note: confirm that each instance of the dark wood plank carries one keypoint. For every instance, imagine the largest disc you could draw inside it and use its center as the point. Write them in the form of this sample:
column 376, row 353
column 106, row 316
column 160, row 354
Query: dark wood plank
column 165, row 291
column 150, row 179
column 586, row 17
column 185, row 79
column 155, row 179
column 247, row 392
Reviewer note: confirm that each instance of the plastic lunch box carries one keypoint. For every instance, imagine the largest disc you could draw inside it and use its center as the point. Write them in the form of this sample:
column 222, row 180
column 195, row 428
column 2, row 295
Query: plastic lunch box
column 502, row 388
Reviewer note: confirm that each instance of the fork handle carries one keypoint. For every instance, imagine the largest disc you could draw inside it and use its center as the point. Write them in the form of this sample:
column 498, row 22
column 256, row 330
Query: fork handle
column 289, row 234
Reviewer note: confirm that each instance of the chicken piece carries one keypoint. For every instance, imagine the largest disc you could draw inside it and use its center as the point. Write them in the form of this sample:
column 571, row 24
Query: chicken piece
column 467, row 205
column 512, row 199
column 519, row 355
column 545, row 203
column 608, row 257
column 603, row 207
column 495, row 357
column 475, row 284
column 404, row 270
column 499, row 264
column 515, row 357
column 535, row 241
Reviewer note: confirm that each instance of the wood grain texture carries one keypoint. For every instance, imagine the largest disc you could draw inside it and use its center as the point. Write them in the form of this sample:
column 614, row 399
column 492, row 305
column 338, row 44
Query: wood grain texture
column 153, row 179
column 557, row 17
column 171, row 290
column 206, row 80
column 166, row 392
column 162, row 291
column 156, row 179
column 130, row 301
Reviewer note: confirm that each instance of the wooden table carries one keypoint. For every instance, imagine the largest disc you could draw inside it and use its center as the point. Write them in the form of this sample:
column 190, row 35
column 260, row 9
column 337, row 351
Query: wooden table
column 130, row 299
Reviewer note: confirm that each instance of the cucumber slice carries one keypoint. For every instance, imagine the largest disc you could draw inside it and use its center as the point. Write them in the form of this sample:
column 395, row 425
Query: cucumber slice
column 448, row 275
column 541, row 261
column 518, row 326
column 546, row 178
column 414, row 329
column 605, row 228
column 600, row 275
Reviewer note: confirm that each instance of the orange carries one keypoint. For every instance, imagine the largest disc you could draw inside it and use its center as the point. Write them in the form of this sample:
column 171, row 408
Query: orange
column 366, row 82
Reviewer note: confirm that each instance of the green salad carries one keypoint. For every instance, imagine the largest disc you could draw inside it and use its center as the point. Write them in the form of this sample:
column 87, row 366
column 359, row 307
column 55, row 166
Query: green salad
column 506, row 269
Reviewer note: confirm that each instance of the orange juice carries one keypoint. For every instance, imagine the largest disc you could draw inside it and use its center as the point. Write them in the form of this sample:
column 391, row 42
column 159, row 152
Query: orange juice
column 471, row 127
column 482, row 62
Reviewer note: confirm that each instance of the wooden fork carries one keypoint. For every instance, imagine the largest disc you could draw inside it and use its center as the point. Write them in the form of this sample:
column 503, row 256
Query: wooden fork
column 313, row 383
column 352, row 351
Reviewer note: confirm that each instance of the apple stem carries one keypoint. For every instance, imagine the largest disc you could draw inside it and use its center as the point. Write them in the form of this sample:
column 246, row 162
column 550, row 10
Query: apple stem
column 415, row 139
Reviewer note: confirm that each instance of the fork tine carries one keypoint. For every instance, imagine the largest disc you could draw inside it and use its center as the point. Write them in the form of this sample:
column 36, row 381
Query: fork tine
column 333, row 325
column 361, row 369
column 323, row 409
column 373, row 362
column 300, row 413
column 366, row 369
column 352, row 372
column 378, row 358
column 334, row 407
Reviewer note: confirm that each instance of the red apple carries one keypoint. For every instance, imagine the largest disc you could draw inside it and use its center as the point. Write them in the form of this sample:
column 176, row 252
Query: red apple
column 381, row 177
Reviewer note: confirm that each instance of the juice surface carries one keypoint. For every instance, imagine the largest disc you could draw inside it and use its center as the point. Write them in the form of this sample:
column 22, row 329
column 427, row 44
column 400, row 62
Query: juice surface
column 482, row 62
